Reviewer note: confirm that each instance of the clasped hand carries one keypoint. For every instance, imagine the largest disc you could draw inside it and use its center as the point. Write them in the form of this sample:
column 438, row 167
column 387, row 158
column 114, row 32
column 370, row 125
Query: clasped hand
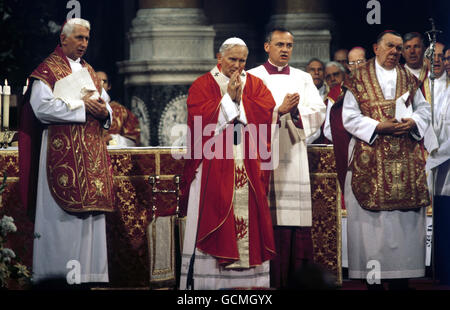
column 234, row 89
column 290, row 102
column 396, row 128
column 96, row 107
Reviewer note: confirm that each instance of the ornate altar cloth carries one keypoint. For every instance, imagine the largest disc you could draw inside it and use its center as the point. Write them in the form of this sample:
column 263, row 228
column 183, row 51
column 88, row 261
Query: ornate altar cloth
column 128, row 253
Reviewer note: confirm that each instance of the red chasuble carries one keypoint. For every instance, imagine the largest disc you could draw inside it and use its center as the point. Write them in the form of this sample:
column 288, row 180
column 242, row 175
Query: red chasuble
column 217, row 233
column 78, row 166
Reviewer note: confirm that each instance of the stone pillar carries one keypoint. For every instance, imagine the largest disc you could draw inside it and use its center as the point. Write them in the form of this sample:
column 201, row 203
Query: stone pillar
column 229, row 19
column 310, row 23
column 171, row 44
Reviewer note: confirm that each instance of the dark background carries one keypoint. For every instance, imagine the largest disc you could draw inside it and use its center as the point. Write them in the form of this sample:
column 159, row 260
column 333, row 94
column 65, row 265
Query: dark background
column 26, row 38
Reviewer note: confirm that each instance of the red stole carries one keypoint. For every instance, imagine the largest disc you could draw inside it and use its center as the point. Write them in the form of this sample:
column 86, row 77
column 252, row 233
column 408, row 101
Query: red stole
column 341, row 137
column 78, row 166
column 217, row 227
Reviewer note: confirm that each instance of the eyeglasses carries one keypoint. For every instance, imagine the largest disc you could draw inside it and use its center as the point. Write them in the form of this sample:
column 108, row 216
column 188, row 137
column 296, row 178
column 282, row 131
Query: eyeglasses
column 446, row 58
column 360, row 61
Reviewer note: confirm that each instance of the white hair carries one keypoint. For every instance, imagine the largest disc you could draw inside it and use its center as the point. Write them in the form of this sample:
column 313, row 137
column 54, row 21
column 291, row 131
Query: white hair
column 336, row 64
column 230, row 43
column 70, row 25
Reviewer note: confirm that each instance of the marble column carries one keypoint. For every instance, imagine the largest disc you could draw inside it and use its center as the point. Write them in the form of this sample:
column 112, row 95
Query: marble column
column 310, row 22
column 171, row 44
column 231, row 19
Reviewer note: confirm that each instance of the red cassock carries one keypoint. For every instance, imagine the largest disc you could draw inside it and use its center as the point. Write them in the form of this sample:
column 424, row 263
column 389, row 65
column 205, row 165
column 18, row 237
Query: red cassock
column 217, row 235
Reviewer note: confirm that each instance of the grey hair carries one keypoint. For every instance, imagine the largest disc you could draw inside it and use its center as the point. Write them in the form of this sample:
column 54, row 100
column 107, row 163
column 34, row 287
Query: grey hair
column 412, row 35
column 225, row 47
column 337, row 64
column 315, row 59
column 70, row 25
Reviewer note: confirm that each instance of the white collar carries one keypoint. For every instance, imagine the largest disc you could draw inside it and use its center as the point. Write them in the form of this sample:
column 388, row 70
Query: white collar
column 278, row 67
column 74, row 61
column 383, row 70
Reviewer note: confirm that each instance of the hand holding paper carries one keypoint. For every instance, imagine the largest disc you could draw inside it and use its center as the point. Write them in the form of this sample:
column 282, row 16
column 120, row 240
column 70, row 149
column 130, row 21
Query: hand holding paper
column 401, row 110
column 74, row 87
column 96, row 107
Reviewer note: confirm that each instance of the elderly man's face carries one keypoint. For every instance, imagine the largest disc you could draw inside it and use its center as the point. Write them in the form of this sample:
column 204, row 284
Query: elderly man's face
column 388, row 51
column 356, row 59
column 447, row 62
column 233, row 59
column 341, row 56
column 280, row 48
column 104, row 79
column 439, row 60
column 333, row 76
column 413, row 53
column 75, row 45
column 315, row 68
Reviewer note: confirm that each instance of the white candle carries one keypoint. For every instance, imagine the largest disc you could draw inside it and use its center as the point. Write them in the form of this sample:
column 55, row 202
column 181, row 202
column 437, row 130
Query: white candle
column 25, row 88
column 6, row 94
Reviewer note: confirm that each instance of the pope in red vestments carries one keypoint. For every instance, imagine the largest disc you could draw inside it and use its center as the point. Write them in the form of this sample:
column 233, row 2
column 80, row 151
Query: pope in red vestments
column 223, row 101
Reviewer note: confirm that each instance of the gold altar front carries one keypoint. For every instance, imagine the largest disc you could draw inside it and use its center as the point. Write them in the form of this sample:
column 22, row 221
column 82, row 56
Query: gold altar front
column 128, row 253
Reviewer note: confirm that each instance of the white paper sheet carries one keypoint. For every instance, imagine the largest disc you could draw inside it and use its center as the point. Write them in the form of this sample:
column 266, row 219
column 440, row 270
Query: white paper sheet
column 74, row 87
column 401, row 110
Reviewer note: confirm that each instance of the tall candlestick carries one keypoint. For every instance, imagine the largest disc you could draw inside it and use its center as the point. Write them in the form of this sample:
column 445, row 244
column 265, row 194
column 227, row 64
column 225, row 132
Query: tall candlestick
column 6, row 94
column 25, row 87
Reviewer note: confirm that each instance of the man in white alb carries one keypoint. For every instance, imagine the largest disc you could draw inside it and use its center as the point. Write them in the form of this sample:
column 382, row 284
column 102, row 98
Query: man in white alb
column 73, row 186
column 385, row 188
column 299, row 112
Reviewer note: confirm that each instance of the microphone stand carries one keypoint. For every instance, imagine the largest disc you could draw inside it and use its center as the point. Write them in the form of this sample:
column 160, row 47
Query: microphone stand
column 432, row 38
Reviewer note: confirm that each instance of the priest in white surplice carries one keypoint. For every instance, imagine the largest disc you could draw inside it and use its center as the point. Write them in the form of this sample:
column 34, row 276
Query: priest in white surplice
column 439, row 160
column 441, row 80
column 385, row 188
column 73, row 188
column 300, row 112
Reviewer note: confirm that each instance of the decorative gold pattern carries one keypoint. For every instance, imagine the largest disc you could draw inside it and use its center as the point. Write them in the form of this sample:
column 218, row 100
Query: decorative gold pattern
column 326, row 210
column 389, row 174
column 128, row 254
column 78, row 165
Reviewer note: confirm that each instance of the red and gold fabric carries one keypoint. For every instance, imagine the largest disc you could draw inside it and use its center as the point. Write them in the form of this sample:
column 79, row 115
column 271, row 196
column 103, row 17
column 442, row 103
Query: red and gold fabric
column 124, row 123
column 389, row 174
column 217, row 225
column 78, row 166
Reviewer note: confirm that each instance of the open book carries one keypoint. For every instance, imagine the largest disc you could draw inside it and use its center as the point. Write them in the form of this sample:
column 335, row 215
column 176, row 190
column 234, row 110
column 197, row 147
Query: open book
column 74, row 87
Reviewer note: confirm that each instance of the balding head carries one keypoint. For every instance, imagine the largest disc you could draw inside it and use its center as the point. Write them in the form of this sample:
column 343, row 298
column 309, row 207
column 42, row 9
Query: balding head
column 341, row 56
column 356, row 58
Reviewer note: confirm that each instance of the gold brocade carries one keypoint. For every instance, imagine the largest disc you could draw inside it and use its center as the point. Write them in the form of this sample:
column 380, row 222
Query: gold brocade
column 240, row 208
column 390, row 173
column 78, row 167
